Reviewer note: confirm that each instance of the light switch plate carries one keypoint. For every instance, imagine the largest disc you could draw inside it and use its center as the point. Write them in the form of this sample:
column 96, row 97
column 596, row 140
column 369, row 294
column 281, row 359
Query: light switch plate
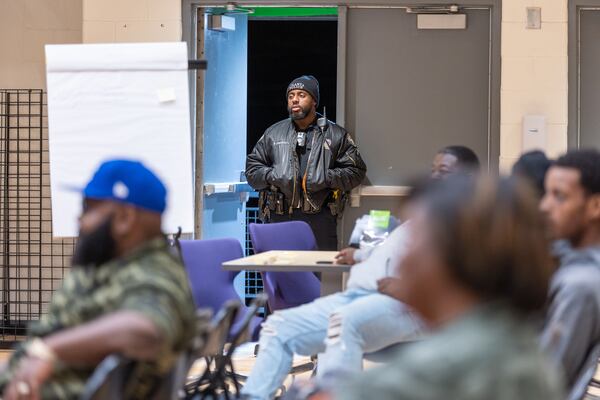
column 534, row 132
column 534, row 18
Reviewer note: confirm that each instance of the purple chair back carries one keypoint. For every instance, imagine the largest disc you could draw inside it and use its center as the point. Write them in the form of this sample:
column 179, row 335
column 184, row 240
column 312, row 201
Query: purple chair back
column 286, row 289
column 212, row 286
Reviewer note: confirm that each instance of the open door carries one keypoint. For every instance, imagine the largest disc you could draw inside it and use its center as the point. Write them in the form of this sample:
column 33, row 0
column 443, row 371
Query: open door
column 253, row 53
column 224, row 44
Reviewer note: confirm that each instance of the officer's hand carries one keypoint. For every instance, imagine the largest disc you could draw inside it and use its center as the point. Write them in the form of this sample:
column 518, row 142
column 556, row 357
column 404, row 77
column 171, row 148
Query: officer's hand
column 346, row 256
column 277, row 178
column 390, row 286
column 270, row 176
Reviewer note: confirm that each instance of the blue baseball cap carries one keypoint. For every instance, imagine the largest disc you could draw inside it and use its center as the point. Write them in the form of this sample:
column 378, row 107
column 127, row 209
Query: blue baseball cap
column 130, row 182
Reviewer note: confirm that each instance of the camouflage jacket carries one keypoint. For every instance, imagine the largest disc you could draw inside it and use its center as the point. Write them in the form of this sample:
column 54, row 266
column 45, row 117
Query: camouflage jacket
column 150, row 280
column 488, row 354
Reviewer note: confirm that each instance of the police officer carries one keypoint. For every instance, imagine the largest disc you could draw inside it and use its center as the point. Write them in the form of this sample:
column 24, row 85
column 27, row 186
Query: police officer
column 304, row 165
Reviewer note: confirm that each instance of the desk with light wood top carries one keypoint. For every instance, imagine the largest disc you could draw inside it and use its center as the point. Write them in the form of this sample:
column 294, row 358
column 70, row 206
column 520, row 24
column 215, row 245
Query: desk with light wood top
column 296, row 261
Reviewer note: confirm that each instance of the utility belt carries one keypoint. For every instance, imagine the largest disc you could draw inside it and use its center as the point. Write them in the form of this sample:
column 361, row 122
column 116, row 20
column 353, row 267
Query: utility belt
column 274, row 202
column 270, row 201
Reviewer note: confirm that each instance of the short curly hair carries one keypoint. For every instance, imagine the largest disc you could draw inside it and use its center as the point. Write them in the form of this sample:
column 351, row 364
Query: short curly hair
column 465, row 157
column 587, row 162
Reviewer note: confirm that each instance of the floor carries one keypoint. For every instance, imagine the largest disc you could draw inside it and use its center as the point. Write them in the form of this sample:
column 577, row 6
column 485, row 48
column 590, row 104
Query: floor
column 244, row 361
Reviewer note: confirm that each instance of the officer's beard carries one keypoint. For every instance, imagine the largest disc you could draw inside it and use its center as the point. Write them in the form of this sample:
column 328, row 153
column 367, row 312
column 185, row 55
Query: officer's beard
column 95, row 248
column 299, row 114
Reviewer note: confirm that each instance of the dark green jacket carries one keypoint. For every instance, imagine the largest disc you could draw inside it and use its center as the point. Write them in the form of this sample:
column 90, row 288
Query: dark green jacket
column 488, row 354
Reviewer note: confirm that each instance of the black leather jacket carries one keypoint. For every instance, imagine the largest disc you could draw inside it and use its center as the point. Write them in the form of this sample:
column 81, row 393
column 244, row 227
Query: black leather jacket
column 334, row 163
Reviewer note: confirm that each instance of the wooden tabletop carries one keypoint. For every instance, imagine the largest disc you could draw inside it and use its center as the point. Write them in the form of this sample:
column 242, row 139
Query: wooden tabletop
column 285, row 260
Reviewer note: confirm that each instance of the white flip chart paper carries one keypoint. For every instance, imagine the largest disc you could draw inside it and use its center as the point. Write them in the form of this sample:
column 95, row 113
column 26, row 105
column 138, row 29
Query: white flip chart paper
column 108, row 101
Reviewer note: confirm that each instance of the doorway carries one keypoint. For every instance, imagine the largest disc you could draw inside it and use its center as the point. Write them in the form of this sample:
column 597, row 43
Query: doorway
column 242, row 93
column 284, row 43
column 250, row 63
column 402, row 91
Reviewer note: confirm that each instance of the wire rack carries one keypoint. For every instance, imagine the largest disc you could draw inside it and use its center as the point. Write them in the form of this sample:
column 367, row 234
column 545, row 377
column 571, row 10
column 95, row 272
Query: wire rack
column 32, row 263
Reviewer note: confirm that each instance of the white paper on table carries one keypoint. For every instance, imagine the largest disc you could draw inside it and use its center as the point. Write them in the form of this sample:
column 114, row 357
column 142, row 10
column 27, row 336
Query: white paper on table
column 108, row 101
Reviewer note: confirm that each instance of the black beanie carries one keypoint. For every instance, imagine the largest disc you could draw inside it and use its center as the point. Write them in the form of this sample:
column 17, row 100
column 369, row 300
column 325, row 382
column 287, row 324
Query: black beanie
column 308, row 83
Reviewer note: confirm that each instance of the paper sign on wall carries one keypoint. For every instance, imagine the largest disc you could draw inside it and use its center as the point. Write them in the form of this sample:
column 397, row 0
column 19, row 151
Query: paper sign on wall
column 109, row 101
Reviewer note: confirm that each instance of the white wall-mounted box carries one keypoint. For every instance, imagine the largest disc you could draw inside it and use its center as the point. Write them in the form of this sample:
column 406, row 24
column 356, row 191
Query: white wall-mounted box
column 534, row 132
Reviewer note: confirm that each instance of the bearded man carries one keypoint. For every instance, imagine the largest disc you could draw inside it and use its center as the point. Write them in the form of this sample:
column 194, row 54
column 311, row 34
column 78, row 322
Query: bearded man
column 126, row 293
column 304, row 165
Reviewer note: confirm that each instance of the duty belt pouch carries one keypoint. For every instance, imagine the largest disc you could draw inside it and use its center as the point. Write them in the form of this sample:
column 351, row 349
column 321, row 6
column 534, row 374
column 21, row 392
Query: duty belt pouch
column 306, row 208
column 333, row 208
column 270, row 202
column 279, row 203
column 263, row 210
column 337, row 204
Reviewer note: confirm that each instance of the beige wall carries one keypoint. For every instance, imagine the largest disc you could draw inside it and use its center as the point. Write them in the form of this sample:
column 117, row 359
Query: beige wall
column 25, row 27
column 131, row 21
column 534, row 75
column 534, row 62
column 39, row 260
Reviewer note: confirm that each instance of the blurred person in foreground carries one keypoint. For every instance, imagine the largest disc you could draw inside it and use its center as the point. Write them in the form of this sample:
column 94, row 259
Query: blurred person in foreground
column 476, row 268
column 571, row 333
column 126, row 294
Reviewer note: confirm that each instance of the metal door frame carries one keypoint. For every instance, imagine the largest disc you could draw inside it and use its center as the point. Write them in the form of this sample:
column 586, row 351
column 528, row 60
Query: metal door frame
column 576, row 7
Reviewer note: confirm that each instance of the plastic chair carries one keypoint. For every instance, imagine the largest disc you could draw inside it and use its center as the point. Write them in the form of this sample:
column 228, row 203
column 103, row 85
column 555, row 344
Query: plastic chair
column 213, row 382
column 211, row 286
column 224, row 363
column 109, row 379
column 286, row 289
